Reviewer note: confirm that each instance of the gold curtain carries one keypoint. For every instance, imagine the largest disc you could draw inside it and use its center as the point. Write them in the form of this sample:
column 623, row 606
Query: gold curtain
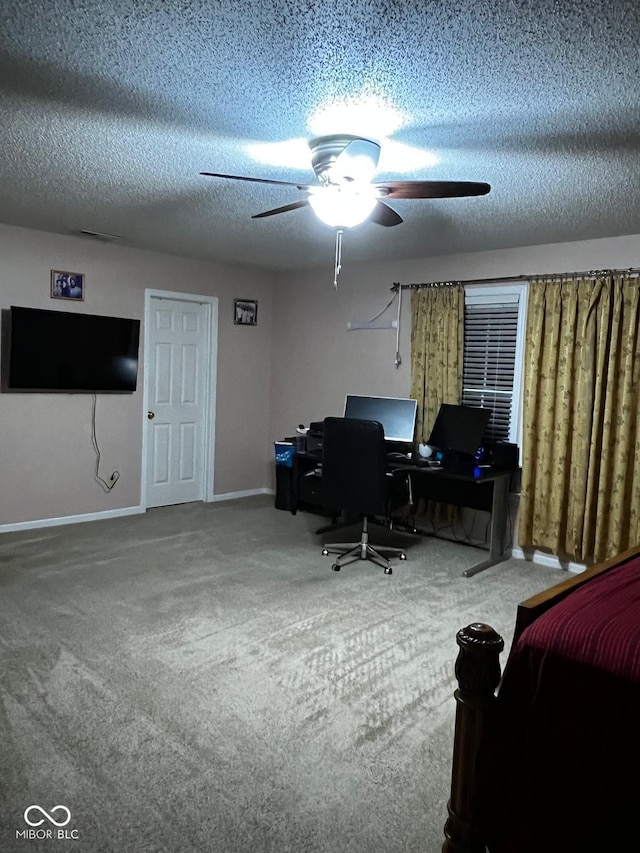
column 581, row 441
column 437, row 343
column 437, row 339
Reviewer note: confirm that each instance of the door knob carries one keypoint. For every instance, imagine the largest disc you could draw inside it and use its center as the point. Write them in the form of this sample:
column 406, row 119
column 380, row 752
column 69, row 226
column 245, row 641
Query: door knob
column 151, row 415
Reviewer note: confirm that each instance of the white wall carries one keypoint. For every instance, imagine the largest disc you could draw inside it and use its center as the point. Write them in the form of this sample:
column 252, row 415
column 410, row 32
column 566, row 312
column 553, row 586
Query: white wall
column 46, row 455
column 294, row 367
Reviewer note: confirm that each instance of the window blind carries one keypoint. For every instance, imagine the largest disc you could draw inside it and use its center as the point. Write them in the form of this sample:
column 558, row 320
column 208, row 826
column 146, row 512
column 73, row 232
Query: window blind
column 490, row 338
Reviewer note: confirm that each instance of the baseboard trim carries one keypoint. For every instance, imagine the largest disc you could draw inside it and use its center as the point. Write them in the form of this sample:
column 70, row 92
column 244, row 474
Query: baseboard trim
column 551, row 560
column 114, row 513
column 248, row 493
column 71, row 519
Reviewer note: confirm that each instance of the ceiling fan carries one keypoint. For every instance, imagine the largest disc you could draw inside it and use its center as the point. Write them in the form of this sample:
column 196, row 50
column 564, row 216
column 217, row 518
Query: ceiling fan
column 345, row 194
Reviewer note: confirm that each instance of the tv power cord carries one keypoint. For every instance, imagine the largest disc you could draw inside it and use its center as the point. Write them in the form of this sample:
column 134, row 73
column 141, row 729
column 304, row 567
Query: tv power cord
column 115, row 476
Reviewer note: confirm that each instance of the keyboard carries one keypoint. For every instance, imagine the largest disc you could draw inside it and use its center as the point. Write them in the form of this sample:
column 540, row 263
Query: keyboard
column 417, row 461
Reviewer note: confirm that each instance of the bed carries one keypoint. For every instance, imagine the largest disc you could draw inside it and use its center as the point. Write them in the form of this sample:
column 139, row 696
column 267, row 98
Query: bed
column 546, row 754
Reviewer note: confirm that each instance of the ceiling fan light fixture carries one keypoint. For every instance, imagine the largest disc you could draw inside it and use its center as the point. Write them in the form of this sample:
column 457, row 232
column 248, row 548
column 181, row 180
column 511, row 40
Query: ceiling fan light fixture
column 343, row 166
column 342, row 206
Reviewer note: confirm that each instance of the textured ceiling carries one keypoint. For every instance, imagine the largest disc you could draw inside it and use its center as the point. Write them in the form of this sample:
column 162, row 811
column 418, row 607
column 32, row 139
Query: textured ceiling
column 111, row 109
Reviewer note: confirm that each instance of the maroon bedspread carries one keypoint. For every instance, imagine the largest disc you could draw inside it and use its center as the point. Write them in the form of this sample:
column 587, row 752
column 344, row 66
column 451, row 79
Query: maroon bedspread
column 568, row 725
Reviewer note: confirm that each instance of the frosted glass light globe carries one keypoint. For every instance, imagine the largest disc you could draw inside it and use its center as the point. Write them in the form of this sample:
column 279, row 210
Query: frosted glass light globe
column 342, row 206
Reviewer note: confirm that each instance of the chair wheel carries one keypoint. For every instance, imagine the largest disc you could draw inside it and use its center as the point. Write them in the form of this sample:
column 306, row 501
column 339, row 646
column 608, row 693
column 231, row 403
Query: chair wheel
column 402, row 556
column 324, row 552
column 388, row 570
column 335, row 567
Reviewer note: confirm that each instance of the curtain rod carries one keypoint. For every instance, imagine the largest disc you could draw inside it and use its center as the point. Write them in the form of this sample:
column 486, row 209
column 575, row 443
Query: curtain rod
column 500, row 279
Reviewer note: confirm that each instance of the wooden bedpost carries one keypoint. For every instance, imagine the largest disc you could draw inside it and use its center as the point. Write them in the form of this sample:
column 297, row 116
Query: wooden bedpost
column 478, row 673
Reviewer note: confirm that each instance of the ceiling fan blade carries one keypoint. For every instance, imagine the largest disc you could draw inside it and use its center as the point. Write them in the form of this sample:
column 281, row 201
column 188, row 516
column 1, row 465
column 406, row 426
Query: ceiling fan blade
column 431, row 189
column 293, row 206
column 256, row 180
column 384, row 215
column 355, row 154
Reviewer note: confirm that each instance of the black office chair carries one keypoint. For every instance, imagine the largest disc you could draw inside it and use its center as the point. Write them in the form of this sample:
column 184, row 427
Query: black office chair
column 355, row 480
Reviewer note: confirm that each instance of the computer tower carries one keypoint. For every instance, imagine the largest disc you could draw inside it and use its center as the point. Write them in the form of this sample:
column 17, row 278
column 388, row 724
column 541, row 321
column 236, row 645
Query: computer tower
column 502, row 455
column 284, row 488
column 457, row 462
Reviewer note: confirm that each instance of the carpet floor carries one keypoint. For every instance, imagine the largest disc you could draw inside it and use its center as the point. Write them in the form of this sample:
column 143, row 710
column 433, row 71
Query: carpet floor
column 197, row 679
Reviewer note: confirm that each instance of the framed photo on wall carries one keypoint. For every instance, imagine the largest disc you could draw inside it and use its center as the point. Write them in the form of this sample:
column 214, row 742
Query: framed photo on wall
column 245, row 312
column 67, row 285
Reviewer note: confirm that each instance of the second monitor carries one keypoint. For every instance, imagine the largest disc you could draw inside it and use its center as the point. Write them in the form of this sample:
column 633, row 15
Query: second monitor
column 396, row 414
column 459, row 428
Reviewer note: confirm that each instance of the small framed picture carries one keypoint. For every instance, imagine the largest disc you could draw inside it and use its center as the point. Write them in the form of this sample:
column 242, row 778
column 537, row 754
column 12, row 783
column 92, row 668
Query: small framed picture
column 67, row 285
column 245, row 312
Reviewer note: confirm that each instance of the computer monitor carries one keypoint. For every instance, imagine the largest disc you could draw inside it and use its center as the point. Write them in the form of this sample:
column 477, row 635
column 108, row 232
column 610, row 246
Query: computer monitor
column 459, row 428
column 396, row 414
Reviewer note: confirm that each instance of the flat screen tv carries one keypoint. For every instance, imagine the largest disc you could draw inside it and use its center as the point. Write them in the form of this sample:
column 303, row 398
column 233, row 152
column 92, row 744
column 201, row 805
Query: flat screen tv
column 396, row 414
column 57, row 351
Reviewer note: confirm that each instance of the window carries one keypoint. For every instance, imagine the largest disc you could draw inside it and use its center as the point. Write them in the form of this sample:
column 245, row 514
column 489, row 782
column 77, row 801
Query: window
column 494, row 318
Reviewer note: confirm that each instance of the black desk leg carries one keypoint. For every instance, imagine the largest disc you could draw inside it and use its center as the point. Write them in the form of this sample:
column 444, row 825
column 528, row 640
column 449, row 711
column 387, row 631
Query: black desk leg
column 498, row 529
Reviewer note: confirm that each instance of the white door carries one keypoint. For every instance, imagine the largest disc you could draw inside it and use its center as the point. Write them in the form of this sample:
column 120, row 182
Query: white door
column 177, row 372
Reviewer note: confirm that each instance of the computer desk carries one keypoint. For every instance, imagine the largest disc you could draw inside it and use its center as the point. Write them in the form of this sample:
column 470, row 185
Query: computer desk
column 488, row 492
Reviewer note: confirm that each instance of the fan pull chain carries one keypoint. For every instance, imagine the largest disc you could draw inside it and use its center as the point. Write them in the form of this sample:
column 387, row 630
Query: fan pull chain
column 338, row 262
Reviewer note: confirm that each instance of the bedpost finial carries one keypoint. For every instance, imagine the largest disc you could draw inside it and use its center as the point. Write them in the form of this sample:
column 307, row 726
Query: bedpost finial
column 478, row 665
column 478, row 633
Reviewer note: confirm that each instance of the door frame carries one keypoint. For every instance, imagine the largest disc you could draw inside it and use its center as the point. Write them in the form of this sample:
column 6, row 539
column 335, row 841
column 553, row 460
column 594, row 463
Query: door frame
column 211, row 305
